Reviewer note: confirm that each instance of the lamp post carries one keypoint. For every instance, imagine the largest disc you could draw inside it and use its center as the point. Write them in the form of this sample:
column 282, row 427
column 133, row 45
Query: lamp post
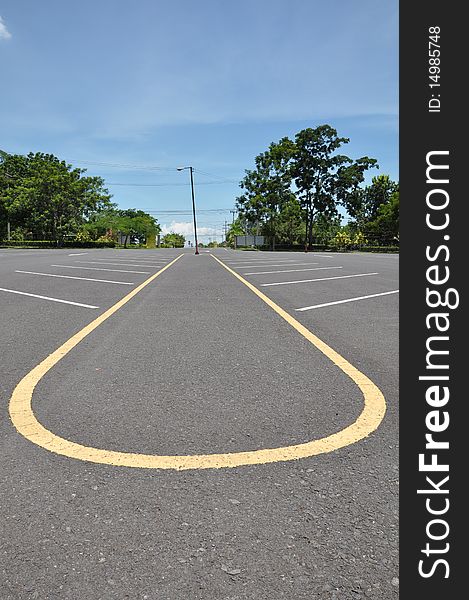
column 193, row 205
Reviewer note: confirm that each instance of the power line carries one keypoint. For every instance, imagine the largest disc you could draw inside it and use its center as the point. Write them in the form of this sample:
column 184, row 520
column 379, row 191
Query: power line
column 212, row 175
column 147, row 168
column 185, row 212
column 123, row 165
column 170, row 184
column 143, row 168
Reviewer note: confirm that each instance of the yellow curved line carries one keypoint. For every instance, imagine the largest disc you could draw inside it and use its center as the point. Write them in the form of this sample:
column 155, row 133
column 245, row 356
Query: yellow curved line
column 24, row 420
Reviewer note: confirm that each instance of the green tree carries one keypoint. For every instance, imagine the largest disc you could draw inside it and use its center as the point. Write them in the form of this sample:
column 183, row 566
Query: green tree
column 324, row 179
column 173, row 240
column 46, row 196
column 12, row 169
column 235, row 228
column 384, row 229
column 363, row 204
column 290, row 222
column 134, row 225
column 326, row 228
column 267, row 188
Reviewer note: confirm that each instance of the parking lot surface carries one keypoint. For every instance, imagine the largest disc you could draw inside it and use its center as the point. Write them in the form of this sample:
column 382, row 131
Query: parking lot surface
column 189, row 356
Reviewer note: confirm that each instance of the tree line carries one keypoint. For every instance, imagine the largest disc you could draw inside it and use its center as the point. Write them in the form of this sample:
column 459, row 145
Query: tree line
column 295, row 193
column 44, row 198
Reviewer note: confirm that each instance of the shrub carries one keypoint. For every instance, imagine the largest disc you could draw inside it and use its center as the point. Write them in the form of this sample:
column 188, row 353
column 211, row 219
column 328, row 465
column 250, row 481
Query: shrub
column 359, row 239
column 54, row 244
column 342, row 241
column 384, row 249
column 83, row 236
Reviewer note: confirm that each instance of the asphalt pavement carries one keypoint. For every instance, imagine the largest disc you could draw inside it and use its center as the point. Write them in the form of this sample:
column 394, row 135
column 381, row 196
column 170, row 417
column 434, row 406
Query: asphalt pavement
column 196, row 364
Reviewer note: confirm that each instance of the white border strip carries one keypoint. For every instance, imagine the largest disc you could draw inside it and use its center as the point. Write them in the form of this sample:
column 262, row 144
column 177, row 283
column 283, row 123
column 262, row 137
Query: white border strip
column 47, row 298
column 80, row 278
column 103, row 263
column 344, row 301
column 292, row 270
column 255, row 266
column 322, row 279
column 99, row 269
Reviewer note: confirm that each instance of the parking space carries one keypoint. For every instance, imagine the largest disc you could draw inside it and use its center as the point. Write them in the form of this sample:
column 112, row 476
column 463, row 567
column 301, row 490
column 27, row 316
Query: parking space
column 323, row 279
column 66, row 278
column 330, row 292
column 40, row 311
column 349, row 300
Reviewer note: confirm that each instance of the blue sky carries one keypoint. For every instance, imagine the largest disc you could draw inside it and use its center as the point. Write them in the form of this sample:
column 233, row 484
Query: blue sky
column 154, row 83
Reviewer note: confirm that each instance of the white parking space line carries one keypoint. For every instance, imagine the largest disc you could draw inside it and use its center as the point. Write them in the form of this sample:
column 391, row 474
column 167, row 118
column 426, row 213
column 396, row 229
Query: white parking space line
column 102, row 262
column 264, row 260
column 300, row 264
column 101, row 269
column 71, row 277
column 135, row 258
column 348, row 300
column 15, row 254
column 131, row 259
column 277, row 258
column 322, row 279
column 292, row 270
column 48, row 298
column 79, row 254
column 376, row 255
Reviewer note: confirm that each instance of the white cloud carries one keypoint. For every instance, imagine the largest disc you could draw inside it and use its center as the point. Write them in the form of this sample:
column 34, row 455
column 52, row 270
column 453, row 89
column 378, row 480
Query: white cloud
column 175, row 227
column 4, row 33
column 186, row 228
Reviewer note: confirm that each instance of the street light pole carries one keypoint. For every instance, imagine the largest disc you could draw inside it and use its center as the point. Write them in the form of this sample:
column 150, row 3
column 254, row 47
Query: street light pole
column 193, row 211
column 193, row 206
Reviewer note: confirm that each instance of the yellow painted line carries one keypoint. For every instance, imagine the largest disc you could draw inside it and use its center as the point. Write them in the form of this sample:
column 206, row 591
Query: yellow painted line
column 26, row 423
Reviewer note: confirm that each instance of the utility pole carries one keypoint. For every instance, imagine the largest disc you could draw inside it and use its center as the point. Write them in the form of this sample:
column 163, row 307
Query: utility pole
column 193, row 210
column 233, row 212
column 193, row 206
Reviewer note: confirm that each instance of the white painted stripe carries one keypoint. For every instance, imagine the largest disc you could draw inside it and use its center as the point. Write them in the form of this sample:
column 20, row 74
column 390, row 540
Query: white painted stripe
column 292, row 270
column 324, row 255
column 322, row 279
column 70, row 277
column 101, row 269
column 261, row 260
column 270, row 257
column 133, row 260
column 79, row 254
column 47, row 298
column 26, row 253
column 302, row 264
column 154, row 260
column 348, row 300
column 102, row 262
